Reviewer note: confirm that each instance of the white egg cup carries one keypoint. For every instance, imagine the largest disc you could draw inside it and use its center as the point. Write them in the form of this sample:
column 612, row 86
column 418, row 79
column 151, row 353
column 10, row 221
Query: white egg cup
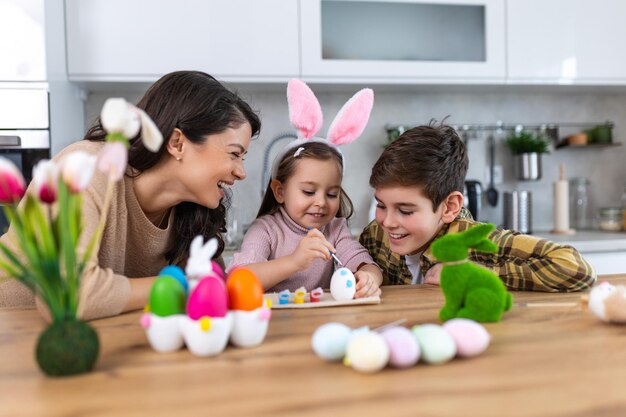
column 163, row 332
column 249, row 327
column 207, row 342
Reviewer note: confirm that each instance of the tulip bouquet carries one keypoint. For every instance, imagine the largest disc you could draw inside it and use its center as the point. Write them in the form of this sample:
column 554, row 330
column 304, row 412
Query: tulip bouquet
column 47, row 228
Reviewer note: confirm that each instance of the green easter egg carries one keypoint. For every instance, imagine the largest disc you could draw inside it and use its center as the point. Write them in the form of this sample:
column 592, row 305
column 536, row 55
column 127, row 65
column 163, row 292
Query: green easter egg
column 167, row 297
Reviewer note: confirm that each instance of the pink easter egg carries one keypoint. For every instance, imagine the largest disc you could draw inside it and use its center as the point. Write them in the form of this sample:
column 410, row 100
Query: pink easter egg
column 470, row 337
column 208, row 299
column 217, row 269
column 404, row 351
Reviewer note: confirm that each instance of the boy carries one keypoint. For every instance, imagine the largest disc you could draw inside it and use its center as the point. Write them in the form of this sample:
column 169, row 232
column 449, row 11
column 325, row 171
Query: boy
column 418, row 182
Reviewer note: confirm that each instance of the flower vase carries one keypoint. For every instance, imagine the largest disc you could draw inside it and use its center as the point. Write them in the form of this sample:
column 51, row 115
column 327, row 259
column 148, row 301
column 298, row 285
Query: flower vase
column 67, row 347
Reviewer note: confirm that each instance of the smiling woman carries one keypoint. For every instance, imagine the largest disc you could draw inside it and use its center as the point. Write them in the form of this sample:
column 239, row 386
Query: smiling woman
column 165, row 198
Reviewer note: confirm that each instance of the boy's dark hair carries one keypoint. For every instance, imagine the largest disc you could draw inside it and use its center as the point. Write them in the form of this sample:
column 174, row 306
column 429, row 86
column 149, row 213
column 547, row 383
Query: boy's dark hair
column 431, row 157
column 286, row 168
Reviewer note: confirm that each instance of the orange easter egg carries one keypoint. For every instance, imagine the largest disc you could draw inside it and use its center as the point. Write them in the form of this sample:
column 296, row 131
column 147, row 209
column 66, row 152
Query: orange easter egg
column 245, row 291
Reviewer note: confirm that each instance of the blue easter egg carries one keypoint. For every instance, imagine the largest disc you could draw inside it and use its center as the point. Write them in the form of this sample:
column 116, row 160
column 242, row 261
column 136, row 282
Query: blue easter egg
column 176, row 273
column 329, row 341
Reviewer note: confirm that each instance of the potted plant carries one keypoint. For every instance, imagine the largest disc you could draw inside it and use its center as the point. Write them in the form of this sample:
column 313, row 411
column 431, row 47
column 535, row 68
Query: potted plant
column 527, row 148
column 47, row 225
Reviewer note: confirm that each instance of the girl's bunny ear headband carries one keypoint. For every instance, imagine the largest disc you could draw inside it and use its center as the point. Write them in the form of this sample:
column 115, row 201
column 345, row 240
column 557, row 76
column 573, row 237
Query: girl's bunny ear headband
column 305, row 114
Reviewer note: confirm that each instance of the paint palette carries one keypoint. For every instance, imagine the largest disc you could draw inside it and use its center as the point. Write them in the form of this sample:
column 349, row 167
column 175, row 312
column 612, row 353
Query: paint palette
column 304, row 300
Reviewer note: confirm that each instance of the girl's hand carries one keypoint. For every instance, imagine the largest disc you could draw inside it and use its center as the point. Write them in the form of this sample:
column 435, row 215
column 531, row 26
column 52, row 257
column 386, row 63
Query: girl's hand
column 313, row 246
column 368, row 281
column 433, row 275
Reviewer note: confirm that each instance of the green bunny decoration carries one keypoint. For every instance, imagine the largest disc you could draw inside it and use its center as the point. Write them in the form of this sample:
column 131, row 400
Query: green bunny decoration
column 471, row 291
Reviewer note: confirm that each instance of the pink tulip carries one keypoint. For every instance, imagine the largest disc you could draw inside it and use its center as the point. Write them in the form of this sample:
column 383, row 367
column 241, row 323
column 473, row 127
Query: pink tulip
column 12, row 184
column 112, row 160
column 45, row 177
column 77, row 169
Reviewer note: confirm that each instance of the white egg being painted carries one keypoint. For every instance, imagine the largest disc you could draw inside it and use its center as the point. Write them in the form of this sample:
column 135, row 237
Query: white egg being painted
column 343, row 285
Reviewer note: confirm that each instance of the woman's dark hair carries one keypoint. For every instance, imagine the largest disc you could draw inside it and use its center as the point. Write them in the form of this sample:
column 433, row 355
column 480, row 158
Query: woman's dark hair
column 431, row 157
column 198, row 105
column 287, row 166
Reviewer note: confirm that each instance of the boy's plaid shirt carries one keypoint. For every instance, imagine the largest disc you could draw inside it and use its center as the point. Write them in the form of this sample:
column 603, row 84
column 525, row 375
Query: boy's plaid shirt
column 523, row 262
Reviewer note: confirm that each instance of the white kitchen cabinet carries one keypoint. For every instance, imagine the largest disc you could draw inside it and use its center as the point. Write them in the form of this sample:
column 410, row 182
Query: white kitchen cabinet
column 22, row 41
column 140, row 40
column 403, row 41
column 566, row 41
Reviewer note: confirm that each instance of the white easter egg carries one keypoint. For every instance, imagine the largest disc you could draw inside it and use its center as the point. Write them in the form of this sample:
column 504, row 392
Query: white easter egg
column 597, row 295
column 471, row 338
column 343, row 285
column 164, row 334
column 367, row 352
column 329, row 341
column 207, row 336
column 436, row 345
column 249, row 329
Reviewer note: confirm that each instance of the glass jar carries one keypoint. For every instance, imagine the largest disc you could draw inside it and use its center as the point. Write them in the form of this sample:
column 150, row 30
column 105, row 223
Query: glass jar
column 611, row 219
column 579, row 203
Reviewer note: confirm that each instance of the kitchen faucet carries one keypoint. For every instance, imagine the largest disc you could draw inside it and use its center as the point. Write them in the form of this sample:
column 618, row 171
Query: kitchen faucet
column 265, row 176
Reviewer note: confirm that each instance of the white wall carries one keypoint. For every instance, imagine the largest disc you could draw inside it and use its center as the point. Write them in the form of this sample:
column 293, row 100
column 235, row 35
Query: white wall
column 605, row 167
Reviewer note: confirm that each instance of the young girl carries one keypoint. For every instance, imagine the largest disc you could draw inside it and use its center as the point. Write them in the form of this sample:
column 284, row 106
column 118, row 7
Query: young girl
column 302, row 218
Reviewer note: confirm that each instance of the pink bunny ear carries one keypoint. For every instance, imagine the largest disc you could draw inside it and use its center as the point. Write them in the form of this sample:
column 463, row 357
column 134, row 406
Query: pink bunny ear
column 305, row 112
column 352, row 118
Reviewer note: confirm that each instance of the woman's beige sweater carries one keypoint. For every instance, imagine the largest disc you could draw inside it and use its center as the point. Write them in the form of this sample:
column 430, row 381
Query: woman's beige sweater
column 131, row 247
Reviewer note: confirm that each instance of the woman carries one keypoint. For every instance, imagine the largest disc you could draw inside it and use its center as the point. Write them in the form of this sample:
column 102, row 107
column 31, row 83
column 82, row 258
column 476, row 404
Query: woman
column 165, row 199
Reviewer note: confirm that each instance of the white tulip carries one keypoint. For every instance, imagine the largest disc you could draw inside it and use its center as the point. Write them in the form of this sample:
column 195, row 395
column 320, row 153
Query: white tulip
column 120, row 116
column 150, row 133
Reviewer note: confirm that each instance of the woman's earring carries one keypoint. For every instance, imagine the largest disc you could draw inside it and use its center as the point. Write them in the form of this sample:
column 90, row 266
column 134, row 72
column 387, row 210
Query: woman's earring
column 178, row 158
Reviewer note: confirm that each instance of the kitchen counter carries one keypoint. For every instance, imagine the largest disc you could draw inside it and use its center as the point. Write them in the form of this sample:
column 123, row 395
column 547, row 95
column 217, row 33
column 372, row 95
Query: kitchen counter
column 544, row 360
column 589, row 240
column 606, row 251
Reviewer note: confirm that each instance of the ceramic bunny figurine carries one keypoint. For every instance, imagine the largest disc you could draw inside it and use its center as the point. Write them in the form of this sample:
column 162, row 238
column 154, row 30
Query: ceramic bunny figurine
column 199, row 264
column 471, row 291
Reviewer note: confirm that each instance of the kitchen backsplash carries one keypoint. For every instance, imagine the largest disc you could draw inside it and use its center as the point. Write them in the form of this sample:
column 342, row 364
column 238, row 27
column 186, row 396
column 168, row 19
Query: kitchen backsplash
column 605, row 167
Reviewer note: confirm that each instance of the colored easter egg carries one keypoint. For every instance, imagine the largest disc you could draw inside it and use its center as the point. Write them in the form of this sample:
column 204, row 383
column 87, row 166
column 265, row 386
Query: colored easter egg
column 176, row 273
column 471, row 338
column 404, row 351
column 436, row 345
column 245, row 291
column 167, row 297
column 208, row 299
column 367, row 352
column 329, row 341
column 343, row 285
column 217, row 269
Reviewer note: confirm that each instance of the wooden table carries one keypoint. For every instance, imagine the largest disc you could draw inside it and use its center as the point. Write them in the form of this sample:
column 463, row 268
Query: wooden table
column 543, row 361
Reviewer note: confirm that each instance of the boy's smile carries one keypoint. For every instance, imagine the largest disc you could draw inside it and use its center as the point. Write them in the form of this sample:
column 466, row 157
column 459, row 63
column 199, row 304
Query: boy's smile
column 407, row 217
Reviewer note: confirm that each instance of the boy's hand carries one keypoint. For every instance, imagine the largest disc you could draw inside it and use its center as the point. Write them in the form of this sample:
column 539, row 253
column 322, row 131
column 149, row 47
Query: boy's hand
column 313, row 246
column 368, row 280
column 433, row 275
